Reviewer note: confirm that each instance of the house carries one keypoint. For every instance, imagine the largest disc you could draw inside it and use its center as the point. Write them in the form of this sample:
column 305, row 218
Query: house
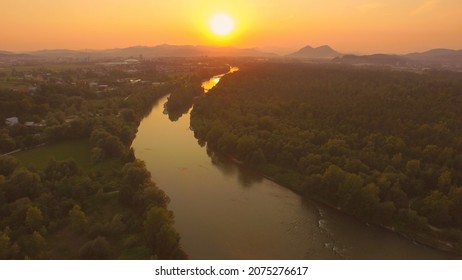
column 12, row 121
column 103, row 87
column 131, row 61
column 93, row 85
column 33, row 89
column 72, row 118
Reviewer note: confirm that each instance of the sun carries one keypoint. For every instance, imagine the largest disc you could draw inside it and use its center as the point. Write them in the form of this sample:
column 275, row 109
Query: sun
column 221, row 24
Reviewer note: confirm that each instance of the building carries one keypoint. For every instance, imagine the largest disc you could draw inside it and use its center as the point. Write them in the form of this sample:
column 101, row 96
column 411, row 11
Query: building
column 131, row 61
column 12, row 121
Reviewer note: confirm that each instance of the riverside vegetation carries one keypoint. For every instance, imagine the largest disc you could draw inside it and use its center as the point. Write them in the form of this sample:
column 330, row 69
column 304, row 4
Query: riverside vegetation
column 384, row 146
column 100, row 205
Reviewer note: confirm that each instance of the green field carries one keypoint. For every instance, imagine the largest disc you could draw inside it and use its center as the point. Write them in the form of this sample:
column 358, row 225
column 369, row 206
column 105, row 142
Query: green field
column 79, row 150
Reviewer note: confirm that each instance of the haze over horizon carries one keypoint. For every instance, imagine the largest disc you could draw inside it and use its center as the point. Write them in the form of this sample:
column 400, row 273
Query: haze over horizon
column 360, row 26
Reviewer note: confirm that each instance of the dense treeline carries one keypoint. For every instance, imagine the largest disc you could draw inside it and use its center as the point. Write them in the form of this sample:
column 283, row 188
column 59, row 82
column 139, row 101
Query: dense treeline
column 70, row 112
column 109, row 210
column 384, row 146
column 182, row 97
column 187, row 89
column 64, row 213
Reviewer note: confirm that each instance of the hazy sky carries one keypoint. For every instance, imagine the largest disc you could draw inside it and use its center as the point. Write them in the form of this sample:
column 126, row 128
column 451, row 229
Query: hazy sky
column 347, row 25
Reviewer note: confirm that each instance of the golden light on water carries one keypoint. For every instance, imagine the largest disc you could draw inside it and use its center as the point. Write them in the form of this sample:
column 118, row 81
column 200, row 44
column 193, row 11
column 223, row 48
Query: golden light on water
column 209, row 84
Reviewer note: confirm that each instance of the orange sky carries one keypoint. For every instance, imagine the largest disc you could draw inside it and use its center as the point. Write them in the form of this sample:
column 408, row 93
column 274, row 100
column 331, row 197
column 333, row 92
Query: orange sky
column 366, row 26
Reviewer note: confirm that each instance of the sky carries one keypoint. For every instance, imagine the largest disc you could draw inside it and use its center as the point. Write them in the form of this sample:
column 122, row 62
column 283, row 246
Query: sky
column 360, row 26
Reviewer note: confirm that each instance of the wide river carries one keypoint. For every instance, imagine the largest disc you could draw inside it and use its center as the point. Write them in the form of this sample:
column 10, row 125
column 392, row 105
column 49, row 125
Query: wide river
column 226, row 211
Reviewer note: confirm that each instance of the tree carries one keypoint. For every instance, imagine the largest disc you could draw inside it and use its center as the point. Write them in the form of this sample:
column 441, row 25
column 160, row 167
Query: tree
column 57, row 170
column 7, row 165
column 168, row 244
column 444, row 181
column 4, row 245
column 349, row 188
column 33, row 245
column 7, row 144
column 156, row 217
column 332, row 178
column 337, row 147
column 24, row 183
column 78, row 219
column 257, row 157
column 398, row 196
column 436, row 207
column 455, row 195
column 135, row 173
column 227, row 143
column 112, row 147
column 153, row 196
column 394, row 145
column 128, row 115
column 410, row 219
column 34, row 219
column 385, row 212
column 135, row 178
column 413, row 168
column 96, row 249
column 245, row 146
column 126, row 135
column 368, row 201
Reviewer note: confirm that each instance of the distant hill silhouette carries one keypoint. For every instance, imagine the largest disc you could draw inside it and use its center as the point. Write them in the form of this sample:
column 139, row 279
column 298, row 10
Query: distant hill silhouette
column 438, row 56
column 57, row 53
column 435, row 58
column 322, row 52
column 156, row 51
column 11, row 55
column 374, row 59
column 189, row 51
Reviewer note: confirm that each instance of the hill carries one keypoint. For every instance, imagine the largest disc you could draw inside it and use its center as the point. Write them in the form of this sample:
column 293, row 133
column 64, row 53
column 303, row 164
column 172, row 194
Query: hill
column 155, row 51
column 438, row 56
column 185, row 51
column 375, row 59
column 322, row 52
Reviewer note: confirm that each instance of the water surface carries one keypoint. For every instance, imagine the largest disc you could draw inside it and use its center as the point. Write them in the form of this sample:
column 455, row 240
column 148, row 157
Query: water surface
column 225, row 211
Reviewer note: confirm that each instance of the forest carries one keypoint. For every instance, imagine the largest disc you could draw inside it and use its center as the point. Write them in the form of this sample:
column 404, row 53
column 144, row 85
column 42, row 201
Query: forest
column 108, row 210
column 381, row 145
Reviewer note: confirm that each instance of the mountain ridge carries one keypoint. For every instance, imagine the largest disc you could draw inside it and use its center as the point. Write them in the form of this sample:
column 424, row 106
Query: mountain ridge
column 436, row 56
column 321, row 52
column 163, row 50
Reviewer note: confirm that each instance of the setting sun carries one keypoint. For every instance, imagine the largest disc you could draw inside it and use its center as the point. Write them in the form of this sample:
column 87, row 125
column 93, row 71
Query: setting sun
column 221, row 24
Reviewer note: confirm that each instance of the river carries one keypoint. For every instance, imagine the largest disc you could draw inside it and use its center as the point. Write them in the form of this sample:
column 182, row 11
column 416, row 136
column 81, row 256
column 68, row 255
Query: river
column 226, row 211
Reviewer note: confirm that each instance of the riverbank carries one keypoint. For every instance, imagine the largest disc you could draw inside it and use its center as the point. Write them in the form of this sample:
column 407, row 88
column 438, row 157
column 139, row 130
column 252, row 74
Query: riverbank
column 241, row 215
column 421, row 239
column 89, row 197
column 278, row 131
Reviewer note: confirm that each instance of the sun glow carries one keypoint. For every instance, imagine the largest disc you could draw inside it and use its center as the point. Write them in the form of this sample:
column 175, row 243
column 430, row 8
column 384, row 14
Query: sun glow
column 221, row 24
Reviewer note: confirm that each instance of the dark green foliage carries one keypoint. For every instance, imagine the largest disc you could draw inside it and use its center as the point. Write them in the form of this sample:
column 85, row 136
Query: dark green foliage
column 66, row 209
column 161, row 238
column 23, row 183
column 57, row 170
column 96, row 249
column 381, row 145
column 181, row 99
column 78, row 219
column 7, row 165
